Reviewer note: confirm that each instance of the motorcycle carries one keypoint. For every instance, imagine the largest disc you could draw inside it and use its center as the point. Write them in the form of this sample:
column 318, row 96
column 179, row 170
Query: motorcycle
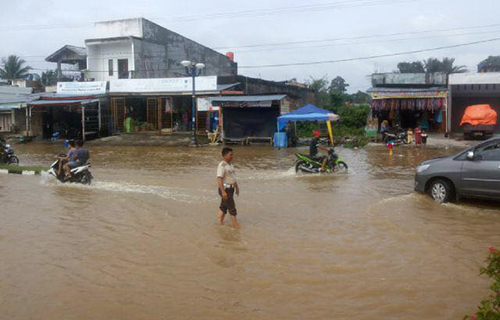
column 79, row 174
column 9, row 156
column 396, row 135
column 309, row 164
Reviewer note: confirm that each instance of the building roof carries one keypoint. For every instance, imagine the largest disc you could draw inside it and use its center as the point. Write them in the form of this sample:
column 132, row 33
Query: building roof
column 77, row 53
column 475, row 78
column 111, row 39
column 15, row 91
column 248, row 98
column 49, row 103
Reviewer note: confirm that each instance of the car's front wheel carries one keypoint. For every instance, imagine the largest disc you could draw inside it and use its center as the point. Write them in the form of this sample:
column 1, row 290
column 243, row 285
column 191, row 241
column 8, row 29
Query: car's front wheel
column 441, row 191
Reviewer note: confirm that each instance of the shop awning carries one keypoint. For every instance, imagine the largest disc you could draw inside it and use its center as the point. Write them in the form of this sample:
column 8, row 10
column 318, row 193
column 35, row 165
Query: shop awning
column 61, row 103
column 10, row 106
column 307, row 113
column 246, row 101
column 407, row 93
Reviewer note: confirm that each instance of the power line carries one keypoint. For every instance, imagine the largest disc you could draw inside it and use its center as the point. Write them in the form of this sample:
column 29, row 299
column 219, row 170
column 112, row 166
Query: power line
column 233, row 14
column 357, row 37
column 368, row 57
column 365, row 42
column 334, row 61
column 341, row 39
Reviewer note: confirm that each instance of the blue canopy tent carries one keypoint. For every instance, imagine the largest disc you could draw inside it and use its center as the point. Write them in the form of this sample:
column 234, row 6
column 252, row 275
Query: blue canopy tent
column 308, row 113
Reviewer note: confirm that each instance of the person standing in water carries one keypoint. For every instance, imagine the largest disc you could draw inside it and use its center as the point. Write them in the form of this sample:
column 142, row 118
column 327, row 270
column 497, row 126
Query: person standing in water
column 227, row 185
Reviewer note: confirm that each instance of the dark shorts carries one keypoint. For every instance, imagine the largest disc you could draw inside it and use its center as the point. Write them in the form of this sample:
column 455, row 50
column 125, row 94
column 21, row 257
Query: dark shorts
column 228, row 205
column 72, row 164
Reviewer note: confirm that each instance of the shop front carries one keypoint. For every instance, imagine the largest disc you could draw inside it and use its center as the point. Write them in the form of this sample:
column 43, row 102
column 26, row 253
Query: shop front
column 411, row 108
column 79, row 110
column 156, row 105
column 246, row 118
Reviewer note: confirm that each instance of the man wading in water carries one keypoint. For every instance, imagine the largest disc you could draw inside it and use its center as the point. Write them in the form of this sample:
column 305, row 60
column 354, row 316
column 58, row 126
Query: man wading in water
column 228, row 186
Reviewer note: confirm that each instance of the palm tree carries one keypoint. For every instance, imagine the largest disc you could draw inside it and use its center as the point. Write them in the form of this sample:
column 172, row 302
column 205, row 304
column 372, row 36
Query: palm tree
column 449, row 68
column 445, row 65
column 49, row 78
column 433, row 65
column 13, row 68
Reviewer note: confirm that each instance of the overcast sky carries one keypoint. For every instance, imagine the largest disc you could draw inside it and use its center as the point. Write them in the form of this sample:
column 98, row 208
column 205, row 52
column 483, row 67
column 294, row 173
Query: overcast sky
column 35, row 29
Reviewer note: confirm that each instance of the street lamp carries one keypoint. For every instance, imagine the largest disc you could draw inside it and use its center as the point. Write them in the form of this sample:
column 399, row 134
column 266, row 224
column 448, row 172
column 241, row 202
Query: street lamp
column 193, row 70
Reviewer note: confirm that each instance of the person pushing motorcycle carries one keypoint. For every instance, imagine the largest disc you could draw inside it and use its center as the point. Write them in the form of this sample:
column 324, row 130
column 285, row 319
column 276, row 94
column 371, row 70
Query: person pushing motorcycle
column 313, row 150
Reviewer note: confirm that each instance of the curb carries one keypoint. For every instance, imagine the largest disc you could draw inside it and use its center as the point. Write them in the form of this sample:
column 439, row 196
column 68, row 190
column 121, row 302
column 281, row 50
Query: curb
column 24, row 172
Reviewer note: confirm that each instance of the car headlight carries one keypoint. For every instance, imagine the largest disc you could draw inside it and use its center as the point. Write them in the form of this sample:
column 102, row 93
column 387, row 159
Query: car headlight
column 423, row 167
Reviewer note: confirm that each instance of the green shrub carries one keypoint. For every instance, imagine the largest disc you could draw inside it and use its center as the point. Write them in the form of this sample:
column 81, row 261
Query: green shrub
column 489, row 309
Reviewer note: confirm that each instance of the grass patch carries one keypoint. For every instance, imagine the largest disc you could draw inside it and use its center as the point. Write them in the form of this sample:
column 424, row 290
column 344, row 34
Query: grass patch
column 23, row 168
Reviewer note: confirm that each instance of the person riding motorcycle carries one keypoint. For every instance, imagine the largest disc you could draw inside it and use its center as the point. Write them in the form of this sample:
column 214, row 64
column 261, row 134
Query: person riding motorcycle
column 80, row 157
column 69, row 156
column 313, row 150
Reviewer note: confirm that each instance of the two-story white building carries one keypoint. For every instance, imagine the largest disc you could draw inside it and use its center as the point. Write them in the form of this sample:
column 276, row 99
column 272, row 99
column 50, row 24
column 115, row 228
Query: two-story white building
column 140, row 49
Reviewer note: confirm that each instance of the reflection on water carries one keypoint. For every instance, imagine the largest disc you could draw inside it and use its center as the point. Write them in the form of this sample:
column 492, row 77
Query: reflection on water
column 142, row 242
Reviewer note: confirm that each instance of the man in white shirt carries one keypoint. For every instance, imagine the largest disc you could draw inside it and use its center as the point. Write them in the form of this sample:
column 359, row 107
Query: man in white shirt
column 226, row 181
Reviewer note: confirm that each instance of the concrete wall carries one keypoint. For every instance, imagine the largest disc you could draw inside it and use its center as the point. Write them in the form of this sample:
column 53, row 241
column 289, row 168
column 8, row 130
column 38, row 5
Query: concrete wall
column 119, row 28
column 422, row 79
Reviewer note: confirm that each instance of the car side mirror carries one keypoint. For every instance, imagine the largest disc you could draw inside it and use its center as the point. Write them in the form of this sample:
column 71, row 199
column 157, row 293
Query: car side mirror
column 470, row 156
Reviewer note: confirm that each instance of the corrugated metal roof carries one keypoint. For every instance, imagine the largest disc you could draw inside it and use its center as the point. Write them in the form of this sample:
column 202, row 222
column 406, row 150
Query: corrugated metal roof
column 221, row 87
column 81, row 51
column 10, row 90
column 41, row 103
column 248, row 98
column 17, row 99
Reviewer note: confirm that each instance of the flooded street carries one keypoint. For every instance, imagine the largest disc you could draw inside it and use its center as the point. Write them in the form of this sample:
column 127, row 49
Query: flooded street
column 142, row 242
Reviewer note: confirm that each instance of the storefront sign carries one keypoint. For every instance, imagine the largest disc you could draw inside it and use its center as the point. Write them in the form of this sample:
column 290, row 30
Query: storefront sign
column 164, row 85
column 81, row 88
column 204, row 104
column 409, row 94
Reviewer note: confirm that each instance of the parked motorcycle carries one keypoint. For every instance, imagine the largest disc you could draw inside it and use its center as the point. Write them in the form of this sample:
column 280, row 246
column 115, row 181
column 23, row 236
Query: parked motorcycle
column 309, row 164
column 396, row 135
column 8, row 156
column 79, row 174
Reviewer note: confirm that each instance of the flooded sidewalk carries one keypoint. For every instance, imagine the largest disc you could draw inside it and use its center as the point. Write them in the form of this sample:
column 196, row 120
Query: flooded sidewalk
column 142, row 242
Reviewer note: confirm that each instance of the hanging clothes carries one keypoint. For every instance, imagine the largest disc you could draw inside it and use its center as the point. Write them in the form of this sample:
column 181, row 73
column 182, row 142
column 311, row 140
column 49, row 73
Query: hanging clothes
column 438, row 116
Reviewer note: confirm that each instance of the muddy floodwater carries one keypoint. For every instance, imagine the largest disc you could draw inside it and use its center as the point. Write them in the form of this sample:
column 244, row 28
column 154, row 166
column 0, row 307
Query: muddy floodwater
column 142, row 242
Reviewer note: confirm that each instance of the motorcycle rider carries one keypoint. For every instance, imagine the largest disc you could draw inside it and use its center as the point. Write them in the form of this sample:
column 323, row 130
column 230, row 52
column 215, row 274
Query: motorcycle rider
column 69, row 156
column 313, row 150
column 80, row 157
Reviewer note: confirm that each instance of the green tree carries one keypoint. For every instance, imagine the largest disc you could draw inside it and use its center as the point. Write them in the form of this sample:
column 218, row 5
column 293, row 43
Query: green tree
column 359, row 97
column 49, row 78
column 448, row 67
column 338, row 85
column 320, row 89
column 445, row 65
column 491, row 64
column 411, row 67
column 431, row 65
column 13, row 68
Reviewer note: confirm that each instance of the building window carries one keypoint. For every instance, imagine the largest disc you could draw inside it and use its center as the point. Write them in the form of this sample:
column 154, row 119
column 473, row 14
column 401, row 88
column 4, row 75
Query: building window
column 123, row 69
column 110, row 67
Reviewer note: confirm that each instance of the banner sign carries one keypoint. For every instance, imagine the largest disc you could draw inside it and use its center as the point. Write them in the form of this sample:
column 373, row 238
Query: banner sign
column 204, row 104
column 166, row 85
column 81, row 88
